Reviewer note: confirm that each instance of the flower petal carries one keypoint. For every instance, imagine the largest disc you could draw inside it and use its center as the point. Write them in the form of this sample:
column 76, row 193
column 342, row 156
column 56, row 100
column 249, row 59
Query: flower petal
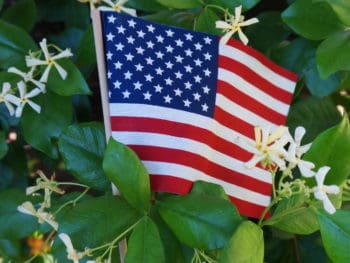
column 243, row 37
column 34, row 106
column 33, row 93
column 22, row 89
column 253, row 161
column 249, row 22
column 238, row 12
column 332, row 189
column 305, row 168
column 328, row 206
column 45, row 75
column 63, row 73
column 43, row 46
column 64, row 54
column 27, row 208
column 5, row 88
column 13, row 99
column 10, row 108
column 321, row 174
column 299, row 134
column 19, row 110
column 32, row 62
column 222, row 25
column 226, row 38
column 67, row 242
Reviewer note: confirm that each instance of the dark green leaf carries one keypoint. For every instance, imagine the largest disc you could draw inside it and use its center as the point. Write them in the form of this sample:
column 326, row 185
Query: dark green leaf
column 205, row 188
column 82, row 147
column 231, row 4
column 127, row 172
column 86, row 54
column 73, row 84
column 334, row 144
column 173, row 18
column 205, row 22
column 200, row 221
column 294, row 216
column 333, row 54
column 9, row 248
column 314, row 21
column 312, row 243
column 341, row 8
column 1, row 4
column 77, row 14
column 180, row 4
column 68, row 38
column 14, row 44
column 27, row 19
column 246, row 245
column 145, row 244
column 3, row 144
column 41, row 130
column 148, row 6
column 335, row 232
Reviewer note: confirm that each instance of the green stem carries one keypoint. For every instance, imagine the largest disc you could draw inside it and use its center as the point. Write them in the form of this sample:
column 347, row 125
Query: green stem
column 217, row 7
column 71, row 202
column 267, row 209
column 72, row 184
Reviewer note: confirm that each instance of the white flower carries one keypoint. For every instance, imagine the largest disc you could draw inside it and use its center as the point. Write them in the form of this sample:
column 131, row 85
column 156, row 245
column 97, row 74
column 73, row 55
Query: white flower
column 24, row 98
column 6, row 87
column 320, row 191
column 72, row 254
column 49, row 61
column 296, row 151
column 118, row 7
column 28, row 208
column 267, row 147
column 28, row 77
column 233, row 24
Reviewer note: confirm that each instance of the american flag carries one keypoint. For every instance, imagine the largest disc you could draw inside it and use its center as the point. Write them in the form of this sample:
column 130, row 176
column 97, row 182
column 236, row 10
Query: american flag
column 180, row 101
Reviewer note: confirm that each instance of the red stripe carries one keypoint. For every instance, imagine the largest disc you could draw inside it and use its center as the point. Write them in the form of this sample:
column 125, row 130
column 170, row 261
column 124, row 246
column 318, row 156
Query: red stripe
column 235, row 95
column 264, row 60
column 160, row 154
column 253, row 78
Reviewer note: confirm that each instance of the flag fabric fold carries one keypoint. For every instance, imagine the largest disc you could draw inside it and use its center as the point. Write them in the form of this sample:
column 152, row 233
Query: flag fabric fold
column 180, row 101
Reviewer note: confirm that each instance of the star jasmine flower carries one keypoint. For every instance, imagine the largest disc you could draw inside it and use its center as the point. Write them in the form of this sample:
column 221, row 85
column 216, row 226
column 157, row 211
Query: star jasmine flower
column 118, row 6
column 24, row 99
column 28, row 77
column 72, row 254
column 28, row 208
column 6, row 87
column 267, row 147
column 233, row 24
column 320, row 191
column 49, row 60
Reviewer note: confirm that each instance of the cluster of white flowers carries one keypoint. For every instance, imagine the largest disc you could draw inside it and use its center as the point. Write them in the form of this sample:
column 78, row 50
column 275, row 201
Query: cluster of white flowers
column 109, row 5
column 269, row 150
column 19, row 96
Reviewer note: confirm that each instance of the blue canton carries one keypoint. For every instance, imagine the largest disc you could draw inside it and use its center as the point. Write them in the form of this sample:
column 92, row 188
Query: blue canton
column 159, row 65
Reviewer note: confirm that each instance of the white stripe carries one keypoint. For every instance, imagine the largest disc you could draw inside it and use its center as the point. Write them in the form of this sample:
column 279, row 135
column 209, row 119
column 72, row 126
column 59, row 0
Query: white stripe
column 191, row 174
column 192, row 146
column 252, row 91
column 256, row 66
column 241, row 113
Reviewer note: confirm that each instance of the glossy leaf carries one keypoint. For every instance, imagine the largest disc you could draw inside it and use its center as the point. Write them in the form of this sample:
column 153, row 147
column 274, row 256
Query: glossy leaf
column 246, row 245
column 333, row 54
column 149, row 5
column 86, row 51
column 183, row 18
column 180, row 4
column 82, row 147
column 200, row 221
column 205, row 22
column 27, row 19
column 3, row 144
column 126, row 171
column 313, row 21
column 231, row 4
column 341, row 8
column 205, row 188
column 145, row 244
column 334, row 144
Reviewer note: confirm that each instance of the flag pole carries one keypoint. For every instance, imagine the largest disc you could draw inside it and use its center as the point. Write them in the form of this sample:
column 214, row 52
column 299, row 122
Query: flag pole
column 102, row 73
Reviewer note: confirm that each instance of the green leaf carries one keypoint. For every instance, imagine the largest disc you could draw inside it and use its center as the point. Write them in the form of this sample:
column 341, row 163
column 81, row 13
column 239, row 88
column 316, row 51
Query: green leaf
column 73, row 84
column 1, row 4
column 334, row 144
column 3, row 145
column 82, row 147
column 205, row 188
column 86, row 54
column 335, row 232
column 42, row 130
column 177, row 18
column 293, row 215
column 231, row 4
column 314, row 21
column 205, row 22
column 145, row 244
column 9, row 249
column 341, row 8
column 126, row 171
column 68, row 38
column 315, row 115
column 333, row 54
column 312, row 243
column 27, row 19
column 76, row 15
column 180, row 4
column 14, row 44
column 94, row 222
column 245, row 246
column 200, row 221
column 148, row 6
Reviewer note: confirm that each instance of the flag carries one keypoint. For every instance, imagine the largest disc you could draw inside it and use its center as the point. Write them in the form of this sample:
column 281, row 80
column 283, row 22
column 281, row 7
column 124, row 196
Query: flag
column 180, row 101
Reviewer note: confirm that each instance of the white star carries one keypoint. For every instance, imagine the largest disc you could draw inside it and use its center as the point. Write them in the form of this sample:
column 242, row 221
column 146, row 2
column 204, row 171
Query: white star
column 159, row 71
column 189, row 36
column 121, row 29
column 196, row 96
column 198, row 62
column 188, row 68
column 149, row 61
column 118, row 65
column 141, row 34
column 207, row 40
column 140, row 50
column 179, row 43
column 137, row 85
column 159, row 55
column 151, row 28
column 132, row 23
column 179, row 59
column 109, row 55
column 188, row 52
column 178, row 75
column 169, row 81
column 158, row 88
column 129, row 57
column 167, row 99
column 139, row 67
column 110, row 36
column 188, row 85
column 109, row 94
column 130, row 39
column 206, row 89
column 207, row 72
column 169, row 49
column 150, row 44
column 119, row 46
column 149, row 77
column 205, row 107
column 207, row 56
column 178, row 92
column 109, row 74
column 169, row 33
column 197, row 79
column 187, row 103
column 111, row 19
column 198, row 46
column 169, row 65
column 117, row 84
column 160, row 39
column 126, row 94
column 147, row 95
column 127, row 75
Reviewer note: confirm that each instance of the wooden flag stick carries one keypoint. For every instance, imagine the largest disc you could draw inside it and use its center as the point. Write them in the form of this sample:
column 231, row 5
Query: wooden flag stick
column 102, row 73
